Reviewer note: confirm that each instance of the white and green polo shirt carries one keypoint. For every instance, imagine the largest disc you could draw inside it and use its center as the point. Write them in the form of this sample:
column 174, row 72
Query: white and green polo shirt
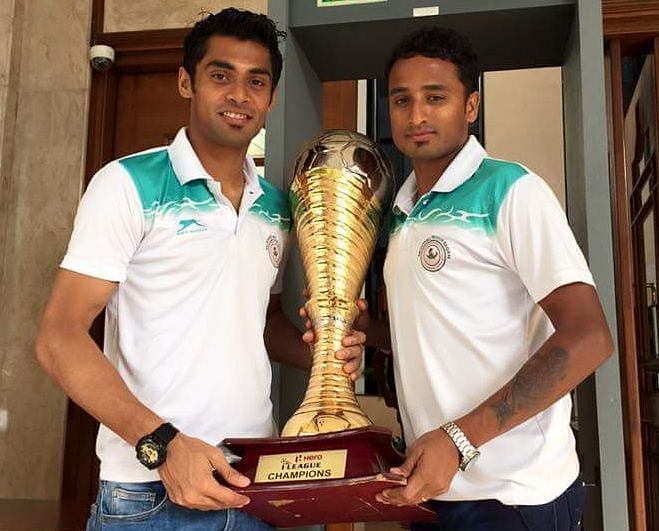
column 466, row 267
column 185, row 326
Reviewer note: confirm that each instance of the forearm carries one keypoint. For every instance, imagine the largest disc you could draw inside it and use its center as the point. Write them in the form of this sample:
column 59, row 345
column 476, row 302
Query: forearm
column 284, row 344
column 563, row 362
column 74, row 361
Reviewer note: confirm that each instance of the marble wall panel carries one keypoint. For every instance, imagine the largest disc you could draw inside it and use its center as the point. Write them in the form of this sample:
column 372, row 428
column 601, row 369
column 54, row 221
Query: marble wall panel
column 47, row 169
column 7, row 112
column 3, row 109
column 32, row 410
column 7, row 8
column 42, row 144
column 6, row 33
column 8, row 100
column 128, row 15
column 55, row 45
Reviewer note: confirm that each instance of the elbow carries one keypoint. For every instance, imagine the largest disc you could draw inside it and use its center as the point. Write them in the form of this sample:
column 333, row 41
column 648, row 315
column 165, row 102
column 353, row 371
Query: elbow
column 610, row 346
column 43, row 349
column 601, row 345
column 41, row 352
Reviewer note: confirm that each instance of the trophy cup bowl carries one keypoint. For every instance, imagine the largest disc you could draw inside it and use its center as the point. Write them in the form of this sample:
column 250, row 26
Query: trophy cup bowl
column 331, row 461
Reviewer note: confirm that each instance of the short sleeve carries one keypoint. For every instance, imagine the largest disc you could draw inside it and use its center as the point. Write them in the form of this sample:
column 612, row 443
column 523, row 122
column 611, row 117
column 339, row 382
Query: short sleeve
column 536, row 240
column 108, row 226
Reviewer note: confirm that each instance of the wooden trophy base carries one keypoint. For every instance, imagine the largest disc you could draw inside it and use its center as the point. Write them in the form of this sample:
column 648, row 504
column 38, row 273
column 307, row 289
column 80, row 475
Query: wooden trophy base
column 322, row 479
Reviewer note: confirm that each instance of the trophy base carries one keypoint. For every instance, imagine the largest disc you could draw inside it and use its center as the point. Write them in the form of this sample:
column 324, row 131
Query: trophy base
column 323, row 479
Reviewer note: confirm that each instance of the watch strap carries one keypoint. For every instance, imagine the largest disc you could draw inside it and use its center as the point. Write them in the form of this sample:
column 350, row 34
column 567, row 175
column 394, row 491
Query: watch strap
column 164, row 433
column 468, row 452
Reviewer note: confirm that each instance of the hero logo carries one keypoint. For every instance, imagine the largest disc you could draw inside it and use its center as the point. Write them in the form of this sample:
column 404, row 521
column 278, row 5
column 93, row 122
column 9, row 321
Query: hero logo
column 274, row 250
column 433, row 253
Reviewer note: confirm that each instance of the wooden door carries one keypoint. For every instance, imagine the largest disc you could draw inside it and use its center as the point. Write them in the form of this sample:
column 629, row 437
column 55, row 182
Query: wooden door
column 149, row 111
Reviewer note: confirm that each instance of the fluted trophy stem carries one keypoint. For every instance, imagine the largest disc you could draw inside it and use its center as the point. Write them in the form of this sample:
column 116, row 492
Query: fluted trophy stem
column 340, row 184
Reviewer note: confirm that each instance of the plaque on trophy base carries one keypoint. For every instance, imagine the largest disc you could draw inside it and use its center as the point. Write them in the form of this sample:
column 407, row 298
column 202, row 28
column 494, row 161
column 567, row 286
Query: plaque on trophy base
column 329, row 478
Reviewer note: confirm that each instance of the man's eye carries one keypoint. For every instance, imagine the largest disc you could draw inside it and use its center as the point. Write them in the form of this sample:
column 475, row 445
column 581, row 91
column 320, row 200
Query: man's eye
column 219, row 76
column 400, row 101
column 436, row 98
column 258, row 83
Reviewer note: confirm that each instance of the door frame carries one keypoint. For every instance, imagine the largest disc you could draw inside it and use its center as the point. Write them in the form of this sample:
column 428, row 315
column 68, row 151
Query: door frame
column 628, row 27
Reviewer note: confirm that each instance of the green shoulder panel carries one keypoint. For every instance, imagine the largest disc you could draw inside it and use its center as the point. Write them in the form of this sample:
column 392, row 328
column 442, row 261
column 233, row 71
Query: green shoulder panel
column 159, row 189
column 397, row 220
column 475, row 204
column 272, row 206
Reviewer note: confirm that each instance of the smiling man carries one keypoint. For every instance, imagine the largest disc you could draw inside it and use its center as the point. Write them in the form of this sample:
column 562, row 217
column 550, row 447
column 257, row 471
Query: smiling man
column 493, row 313
column 182, row 245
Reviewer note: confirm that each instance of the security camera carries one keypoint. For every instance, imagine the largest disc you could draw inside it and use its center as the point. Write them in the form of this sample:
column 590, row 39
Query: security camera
column 101, row 57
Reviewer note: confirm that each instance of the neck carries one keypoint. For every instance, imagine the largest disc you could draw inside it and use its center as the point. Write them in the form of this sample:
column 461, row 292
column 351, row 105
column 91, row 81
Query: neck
column 429, row 171
column 223, row 164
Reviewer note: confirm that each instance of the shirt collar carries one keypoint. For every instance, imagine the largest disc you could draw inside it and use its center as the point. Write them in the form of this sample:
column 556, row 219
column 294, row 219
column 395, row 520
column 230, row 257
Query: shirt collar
column 188, row 167
column 462, row 167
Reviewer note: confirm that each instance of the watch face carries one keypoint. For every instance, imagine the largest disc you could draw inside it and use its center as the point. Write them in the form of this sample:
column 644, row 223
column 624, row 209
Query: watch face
column 148, row 453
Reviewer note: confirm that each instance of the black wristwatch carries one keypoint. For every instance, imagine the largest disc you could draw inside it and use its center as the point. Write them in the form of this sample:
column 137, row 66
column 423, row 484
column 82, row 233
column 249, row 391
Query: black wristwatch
column 152, row 448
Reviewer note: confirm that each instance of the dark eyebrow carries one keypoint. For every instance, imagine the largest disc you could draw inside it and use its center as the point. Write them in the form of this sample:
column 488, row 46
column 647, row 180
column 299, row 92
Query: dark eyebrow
column 217, row 63
column 261, row 71
column 397, row 90
column 435, row 87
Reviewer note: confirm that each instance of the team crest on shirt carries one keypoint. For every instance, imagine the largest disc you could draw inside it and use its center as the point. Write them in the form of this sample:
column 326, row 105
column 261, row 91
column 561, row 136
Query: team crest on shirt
column 273, row 247
column 433, row 253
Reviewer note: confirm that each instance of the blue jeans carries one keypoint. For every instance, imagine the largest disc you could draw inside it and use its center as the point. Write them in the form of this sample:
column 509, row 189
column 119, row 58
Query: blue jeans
column 146, row 507
column 562, row 514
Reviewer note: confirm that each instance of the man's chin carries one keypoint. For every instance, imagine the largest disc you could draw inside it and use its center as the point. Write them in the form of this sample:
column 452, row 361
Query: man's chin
column 422, row 152
column 235, row 139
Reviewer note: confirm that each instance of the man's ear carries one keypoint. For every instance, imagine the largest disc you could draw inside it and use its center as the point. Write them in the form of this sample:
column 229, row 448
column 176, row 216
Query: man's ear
column 471, row 109
column 273, row 98
column 185, row 88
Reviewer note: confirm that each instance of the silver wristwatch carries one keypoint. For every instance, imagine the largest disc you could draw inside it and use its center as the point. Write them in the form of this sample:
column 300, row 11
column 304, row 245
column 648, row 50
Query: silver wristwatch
column 468, row 452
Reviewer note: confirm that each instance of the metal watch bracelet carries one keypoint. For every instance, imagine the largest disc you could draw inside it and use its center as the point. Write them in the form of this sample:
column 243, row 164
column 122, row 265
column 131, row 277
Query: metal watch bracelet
column 468, row 452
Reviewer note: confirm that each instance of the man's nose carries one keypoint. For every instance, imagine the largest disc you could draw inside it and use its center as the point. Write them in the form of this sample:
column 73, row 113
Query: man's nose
column 238, row 93
column 417, row 113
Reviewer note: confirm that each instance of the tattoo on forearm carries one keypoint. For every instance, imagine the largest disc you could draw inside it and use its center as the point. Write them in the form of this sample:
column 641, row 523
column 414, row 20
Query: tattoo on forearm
column 532, row 384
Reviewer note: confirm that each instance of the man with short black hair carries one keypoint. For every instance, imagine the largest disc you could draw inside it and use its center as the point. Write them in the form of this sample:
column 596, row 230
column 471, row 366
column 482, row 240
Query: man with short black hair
column 493, row 312
column 183, row 246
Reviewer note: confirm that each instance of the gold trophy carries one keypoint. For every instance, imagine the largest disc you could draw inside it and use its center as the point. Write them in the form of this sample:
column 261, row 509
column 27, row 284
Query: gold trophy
column 340, row 188
column 331, row 461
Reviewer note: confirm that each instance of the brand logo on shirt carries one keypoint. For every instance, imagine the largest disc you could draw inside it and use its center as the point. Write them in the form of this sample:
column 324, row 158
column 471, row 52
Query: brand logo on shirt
column 433, row 253
column 186, row 226
column 274, row 250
